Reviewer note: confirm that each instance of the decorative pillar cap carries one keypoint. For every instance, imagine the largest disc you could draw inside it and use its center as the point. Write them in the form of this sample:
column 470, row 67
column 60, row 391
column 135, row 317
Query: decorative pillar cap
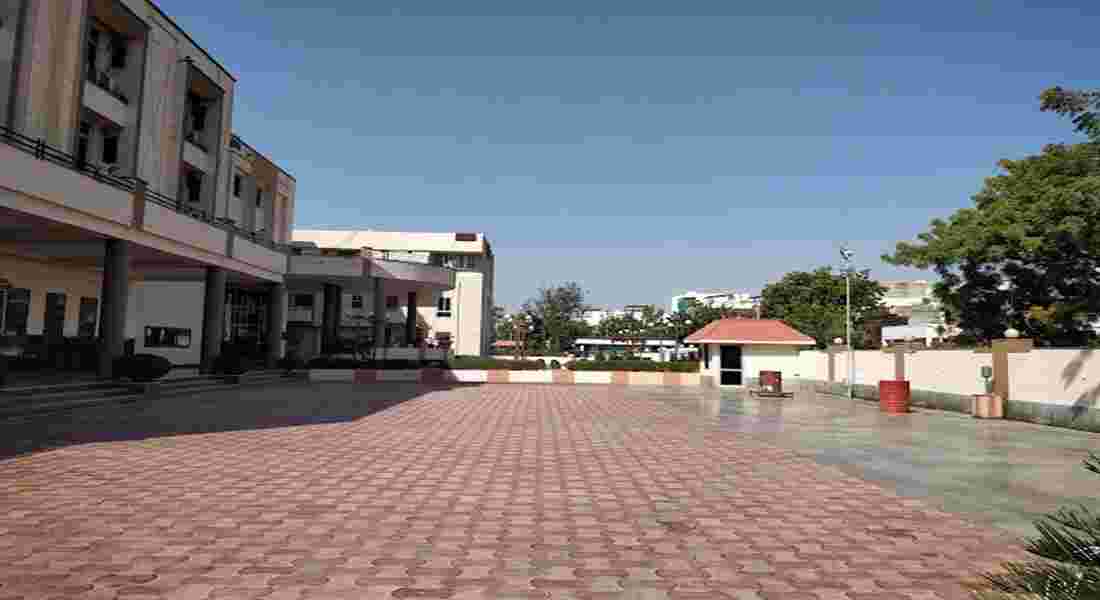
column 1012, row 333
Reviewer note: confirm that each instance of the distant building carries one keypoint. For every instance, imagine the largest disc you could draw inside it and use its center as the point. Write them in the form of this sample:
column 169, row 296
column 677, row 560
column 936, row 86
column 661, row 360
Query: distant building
column 732, row 299
column 593, row 316
column 915, row 301
column 902, row 296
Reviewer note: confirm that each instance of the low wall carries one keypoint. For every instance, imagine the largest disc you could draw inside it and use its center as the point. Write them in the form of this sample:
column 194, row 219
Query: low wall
column 556, row 376
column 1075, row 416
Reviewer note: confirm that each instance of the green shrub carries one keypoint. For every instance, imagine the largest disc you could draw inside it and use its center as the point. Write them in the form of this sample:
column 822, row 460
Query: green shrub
column 555, row 364
column 634, row 365
column 232, row 363
column 541, row 364
column 142, row 367
column 493, row 364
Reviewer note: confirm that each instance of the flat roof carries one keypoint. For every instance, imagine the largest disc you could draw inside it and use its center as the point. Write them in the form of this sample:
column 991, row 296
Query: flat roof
column 237, row 137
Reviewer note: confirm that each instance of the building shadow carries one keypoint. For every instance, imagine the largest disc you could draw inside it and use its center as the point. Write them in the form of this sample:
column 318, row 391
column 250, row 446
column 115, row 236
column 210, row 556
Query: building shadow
column 254, row 408
column 1087, row 399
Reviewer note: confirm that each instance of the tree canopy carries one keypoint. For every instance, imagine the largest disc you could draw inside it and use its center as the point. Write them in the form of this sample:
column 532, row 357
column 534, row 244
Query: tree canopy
column 1083, row 108
column 557, row 310
column 814, row 303
column 1026, row 254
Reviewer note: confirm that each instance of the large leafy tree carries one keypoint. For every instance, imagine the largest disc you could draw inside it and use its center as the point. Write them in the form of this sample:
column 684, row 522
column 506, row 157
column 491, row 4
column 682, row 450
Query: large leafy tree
column 1027, row 254
column 814, row 302
column 1083, row 107
column 557, row 313
column 502, row 324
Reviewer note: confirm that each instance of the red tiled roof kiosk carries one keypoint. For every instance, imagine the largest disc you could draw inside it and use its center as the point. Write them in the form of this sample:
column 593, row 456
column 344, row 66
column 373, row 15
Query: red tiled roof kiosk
column 736, row 350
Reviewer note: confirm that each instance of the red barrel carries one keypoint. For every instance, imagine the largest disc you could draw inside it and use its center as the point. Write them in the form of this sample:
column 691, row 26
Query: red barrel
column 893, row 397
column 771, row 381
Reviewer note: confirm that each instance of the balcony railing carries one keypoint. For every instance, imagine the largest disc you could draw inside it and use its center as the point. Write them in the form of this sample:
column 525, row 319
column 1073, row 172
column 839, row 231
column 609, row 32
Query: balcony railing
column 43, row 151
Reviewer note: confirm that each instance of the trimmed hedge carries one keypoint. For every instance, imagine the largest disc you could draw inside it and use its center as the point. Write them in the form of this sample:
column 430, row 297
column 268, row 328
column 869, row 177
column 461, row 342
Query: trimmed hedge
column 340, row 362
column 142, row 367
column 495, row 364
column 680, row 366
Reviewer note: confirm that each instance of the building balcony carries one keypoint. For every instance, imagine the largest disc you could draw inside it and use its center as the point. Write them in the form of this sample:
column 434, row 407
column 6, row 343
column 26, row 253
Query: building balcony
column 327, row 266
column 40, row 171
column 112, row 105
column 413, row 272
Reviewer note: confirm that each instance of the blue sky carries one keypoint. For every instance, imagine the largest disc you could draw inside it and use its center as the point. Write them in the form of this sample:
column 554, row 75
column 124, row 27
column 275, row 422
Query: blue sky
column 644, row 148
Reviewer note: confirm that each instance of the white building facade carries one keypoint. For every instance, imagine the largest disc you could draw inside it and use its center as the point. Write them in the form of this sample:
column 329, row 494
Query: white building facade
column 459, row 317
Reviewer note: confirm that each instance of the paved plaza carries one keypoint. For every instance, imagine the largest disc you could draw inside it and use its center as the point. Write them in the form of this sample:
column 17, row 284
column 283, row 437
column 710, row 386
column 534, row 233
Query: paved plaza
column 494, row 491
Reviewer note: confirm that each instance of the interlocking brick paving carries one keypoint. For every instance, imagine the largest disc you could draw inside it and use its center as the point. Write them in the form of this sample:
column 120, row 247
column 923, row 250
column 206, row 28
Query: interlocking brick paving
column 497, row 491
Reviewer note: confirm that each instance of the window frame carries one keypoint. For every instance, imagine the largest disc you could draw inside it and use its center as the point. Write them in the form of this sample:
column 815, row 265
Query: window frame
column 176, row 334
column 444, row 307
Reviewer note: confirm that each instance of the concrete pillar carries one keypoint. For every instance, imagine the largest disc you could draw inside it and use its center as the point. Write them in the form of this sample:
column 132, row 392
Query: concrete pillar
column 213, row 320
column 410, row 321
column 379, row 314
column 115, row 293
column 330, row 317
column 276, row 323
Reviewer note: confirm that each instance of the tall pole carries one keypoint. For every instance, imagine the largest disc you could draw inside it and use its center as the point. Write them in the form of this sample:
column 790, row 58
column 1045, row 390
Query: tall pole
column 848, row 323
column 846, row 255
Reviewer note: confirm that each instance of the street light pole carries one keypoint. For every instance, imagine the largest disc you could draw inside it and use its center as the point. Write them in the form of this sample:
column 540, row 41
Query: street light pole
column 846, row 255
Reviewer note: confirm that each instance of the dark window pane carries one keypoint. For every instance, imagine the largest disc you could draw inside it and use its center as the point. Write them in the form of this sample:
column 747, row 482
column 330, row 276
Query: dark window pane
column 110, row 149
column 17, row 311
column 236, row 186
column 391, row 301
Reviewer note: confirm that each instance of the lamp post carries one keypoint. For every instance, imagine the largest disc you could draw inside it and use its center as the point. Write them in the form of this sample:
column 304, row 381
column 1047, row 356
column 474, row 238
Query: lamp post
column 846, row 255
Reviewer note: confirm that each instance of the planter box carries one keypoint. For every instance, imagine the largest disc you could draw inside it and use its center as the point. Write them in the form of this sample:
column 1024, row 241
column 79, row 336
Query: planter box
column 987, row 406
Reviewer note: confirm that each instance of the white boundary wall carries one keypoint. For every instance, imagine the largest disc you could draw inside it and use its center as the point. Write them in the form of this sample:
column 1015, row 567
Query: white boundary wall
column 1049, row 376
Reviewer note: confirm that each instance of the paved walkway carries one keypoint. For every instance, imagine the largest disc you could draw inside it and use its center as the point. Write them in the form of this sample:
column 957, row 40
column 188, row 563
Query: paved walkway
column 506, row 491
column 1005, row 473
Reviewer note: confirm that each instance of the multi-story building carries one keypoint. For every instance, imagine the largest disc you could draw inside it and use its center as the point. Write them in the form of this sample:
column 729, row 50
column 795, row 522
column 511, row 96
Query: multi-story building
column 593, row 315
column 459, row 317
column 131, row 219
column 115, row 152
column 718, row 298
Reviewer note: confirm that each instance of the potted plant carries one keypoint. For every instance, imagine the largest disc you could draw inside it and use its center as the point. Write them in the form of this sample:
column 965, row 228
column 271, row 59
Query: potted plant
column 987, row 405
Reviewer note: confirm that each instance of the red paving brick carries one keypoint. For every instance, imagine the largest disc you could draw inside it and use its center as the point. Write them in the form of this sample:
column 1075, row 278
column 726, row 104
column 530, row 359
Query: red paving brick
column 498, row 491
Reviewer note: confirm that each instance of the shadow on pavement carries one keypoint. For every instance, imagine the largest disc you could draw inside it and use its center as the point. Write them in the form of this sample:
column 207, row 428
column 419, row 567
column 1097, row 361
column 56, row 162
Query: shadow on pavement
column 209, row 412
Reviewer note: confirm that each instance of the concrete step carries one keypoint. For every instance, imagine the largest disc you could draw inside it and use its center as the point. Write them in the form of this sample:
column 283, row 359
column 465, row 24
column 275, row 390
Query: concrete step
column 40, row 400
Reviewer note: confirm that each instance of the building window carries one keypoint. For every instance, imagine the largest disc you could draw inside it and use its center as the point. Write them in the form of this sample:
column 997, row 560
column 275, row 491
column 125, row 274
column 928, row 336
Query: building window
column 444, row 308
column 302, row 300
column 237, row 185
column 167, row 337
column 83, row 143
column 16, row 311
column 110, row 147
column 259, row 197
column 391, row 302
column 357, row 302
column 89, row 312
column 192, row 186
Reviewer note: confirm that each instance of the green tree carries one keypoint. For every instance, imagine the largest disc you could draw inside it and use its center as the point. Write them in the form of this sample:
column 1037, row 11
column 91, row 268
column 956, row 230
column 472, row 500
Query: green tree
column 1083, row 107
column 1029, row 246
column 502, row 324
column 1068, row 563
column 814, row 303
column 558, row 310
